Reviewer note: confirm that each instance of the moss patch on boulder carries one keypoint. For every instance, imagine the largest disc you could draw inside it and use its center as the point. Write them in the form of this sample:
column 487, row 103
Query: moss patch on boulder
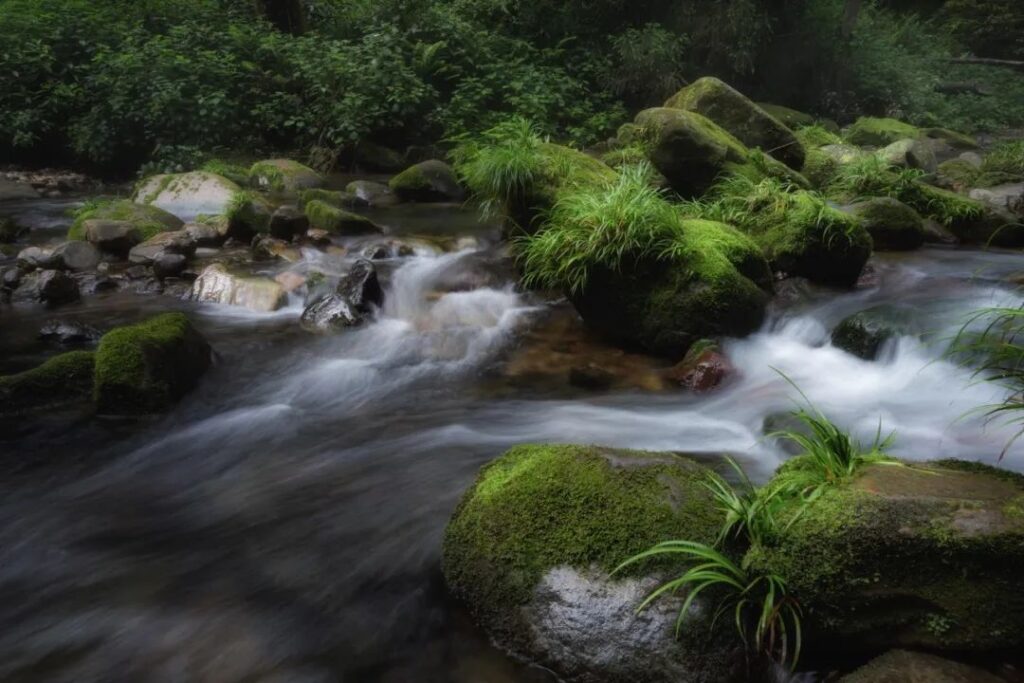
column 427, row 181
column 791, row 118
column 951, row 137
column 334, row 219
column 748, row 122
column 892, row 224
column 63, row 379
column 283, row 176
column 868, row 131
column 146, row 368
column 148, row 220
column 919, row 555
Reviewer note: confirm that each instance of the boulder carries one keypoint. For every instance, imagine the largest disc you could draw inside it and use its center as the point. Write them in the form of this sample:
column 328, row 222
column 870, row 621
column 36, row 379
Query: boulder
column 910, row 153
column 531, row 544
column 345, row 200
column 177, row 242
column 66, row 378
column 876, row 132
column 1006, row 197
column 148, row 220
column 284, row 177
column 216, row 284
column 75, row 255
column 190, row 195
column 373, row 194
column 903, row 666
column 355, row 298
column 168, row 264
column 113, row 237
column 704, row 368
column 749, row 123
column 324, row 216
column 951, row 137
column 146, row 368
column 427, row 181
column 893, row 225
column 288, row 222
column 791, row 118
column 31, row 258
column 863, row 334
column 205, row 234
column 915, row 555
column 55, row 287
column 957, row 174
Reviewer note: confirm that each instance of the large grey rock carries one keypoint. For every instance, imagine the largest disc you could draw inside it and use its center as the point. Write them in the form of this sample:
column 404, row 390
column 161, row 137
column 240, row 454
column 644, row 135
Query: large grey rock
column 903, row 666
column 115, row 237
column 189, row 195
column 288, row 222
column 55, row 287
column 911, row 154
column 75, row 255
column 1009, row 196
column 177, row 242
column 216, row 284
column 353, row 300
column 30, row 258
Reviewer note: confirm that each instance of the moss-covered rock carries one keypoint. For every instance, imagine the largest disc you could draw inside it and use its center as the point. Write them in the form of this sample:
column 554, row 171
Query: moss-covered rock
column 971, row 221
column 146, row 368
column 812, row 137
column 819, row 168
column 863, row 334
column 923, row 555
column 791, row 118
column 63, row 379
column 202, row 194
column 748, row 122
column 875, row 132
column 148, row 220
column 334, row 219
column 542, row 527
column 692, row 152
column 337, row 198
column 893, row 225
column 427, row 181
column 909, row 153
column 284, row 177
column 958, row 174
column 951, row 137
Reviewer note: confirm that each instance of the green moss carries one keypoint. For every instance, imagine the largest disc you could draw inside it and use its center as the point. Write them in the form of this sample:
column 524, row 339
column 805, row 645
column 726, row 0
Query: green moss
column 149, row 220
column 629, row 155
column 336, row 220
column 1004, row 164
column 63, row 379
column 875, row 132
column 144, row 368
column 961, row 173
column 539, row 507
column 283, row 176
column 332, row 197
column 891, row 223
column 813, row 137
column 412, row 180
column 790, row 118
column 820, row 168
column 236, row 173
column 952, row 137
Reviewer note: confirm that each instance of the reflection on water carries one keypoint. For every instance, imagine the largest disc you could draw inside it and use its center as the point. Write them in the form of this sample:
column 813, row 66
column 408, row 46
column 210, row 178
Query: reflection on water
column 284, row 523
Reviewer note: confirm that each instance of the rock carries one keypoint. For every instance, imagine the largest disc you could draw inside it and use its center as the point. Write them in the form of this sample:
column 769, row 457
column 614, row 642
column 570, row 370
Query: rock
column 427, row 181
column 937, row 233
column 373, row 157
column 957, row 174
column 288, row 222
column 919, row 556
column 10, row 230
column 951, row 137
column 55, row 287
column 355, row 297
column 69, row 332
column 1009, row 196
column 12, row 191
column 663, row 307
column 692, row 152
column 146, row 368
column 113, row 237
column 903, row 666
column 168, row 264
column 910, row 153
column 204, row 234
column 875, row 132
column 531, row 544
column 373, row 194
column 218, row 285
column 791, row 118
column 177, row 242
column 345, row 200
column 318, row 237
column 284, row 177
column 290, row 281
column 148, row 220
column 10, row 277
column 67, row 378
column 972, row 159
column 704, row 368
column 31, row 258
column 591, row 377
column 338, row 221
column 864, row 333
column 843, row 154
column 75, row 255
column 892, row 224
column 191, row 195
column 749, row 123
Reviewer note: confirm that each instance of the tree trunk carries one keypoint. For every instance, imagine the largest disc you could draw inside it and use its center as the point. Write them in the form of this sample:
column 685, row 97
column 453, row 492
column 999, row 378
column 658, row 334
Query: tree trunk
column 288, row 16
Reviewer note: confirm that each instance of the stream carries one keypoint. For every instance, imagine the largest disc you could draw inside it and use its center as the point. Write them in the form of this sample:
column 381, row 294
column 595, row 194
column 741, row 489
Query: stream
column 284, row 522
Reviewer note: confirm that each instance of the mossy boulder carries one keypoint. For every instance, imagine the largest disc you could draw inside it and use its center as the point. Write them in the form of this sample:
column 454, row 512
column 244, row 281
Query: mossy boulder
column 663, row 306
column 737, row 114
column 819, row 168
column 63, row 379
column 692, row 152
column 791, row 118
column 371, row 193
column 148, row 220
column 284, row 177
column 972, row 222
column 893, row 225
column 863, row 334
column 427, row 181
column 531, row 544
column 146, row 368
column 338, row 198
column 914, row 555
column 958, row 174
column 908, row 153
column 813, row 137
column 202, row 194
column 951, row 137
column 339, row 221
column 868, row 131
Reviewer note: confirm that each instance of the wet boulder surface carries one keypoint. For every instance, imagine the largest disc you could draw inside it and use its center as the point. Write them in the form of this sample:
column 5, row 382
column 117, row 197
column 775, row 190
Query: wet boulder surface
column 356, row 296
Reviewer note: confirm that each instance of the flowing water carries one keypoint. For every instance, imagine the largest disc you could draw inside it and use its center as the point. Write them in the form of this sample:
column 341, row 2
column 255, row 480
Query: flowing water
column 284, row 522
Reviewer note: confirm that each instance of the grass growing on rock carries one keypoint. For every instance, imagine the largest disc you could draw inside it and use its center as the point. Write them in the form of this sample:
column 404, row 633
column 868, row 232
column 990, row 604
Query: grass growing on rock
column 149, row 220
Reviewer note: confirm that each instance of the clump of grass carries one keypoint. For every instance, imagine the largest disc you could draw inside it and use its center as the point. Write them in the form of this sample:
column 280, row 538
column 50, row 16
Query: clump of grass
column 816, row 136
column 600, row 226
column 1004, row 164
column 501, row 165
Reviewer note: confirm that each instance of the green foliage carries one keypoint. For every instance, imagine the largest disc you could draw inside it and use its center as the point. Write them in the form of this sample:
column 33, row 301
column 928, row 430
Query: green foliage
column 1004, row 163
column 647, row 64
column 815, row 136
column 990, row 28
column 501, row 165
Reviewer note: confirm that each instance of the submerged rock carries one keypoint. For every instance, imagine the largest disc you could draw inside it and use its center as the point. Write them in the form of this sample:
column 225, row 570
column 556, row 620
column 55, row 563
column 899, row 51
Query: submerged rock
column 288, row 222
column 355, row 297
column 704, row 368
column 903, row 666
column 427, row 181
column 216, row 284
column 911, row 555
column 67, row 378
column 892, row 224
column 530, row 547
column 146, row 368
column 863, row 334
column 734, row 112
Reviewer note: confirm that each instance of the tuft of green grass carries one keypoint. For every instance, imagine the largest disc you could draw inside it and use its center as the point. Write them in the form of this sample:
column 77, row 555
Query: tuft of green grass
column 502, row 164
column 816, row 136
column 1004, row 164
